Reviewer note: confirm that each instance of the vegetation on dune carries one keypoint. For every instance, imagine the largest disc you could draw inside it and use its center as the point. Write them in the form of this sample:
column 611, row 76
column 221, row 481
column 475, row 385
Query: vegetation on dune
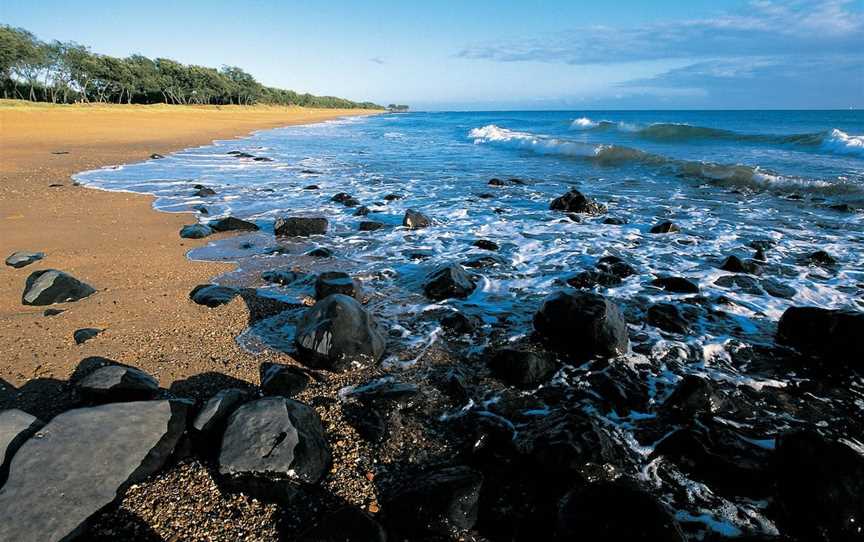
column 66, row 72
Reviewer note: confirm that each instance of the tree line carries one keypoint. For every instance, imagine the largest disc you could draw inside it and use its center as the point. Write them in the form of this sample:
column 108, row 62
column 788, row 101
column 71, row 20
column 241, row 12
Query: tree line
column 67, row 72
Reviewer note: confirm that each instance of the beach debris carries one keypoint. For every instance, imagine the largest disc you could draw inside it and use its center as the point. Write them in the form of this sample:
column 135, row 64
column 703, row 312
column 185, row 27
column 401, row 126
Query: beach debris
column 117, row 383
column 665, row 227
column 232, row 224
column 195, row 231
column 521, row 368
column 300, row 226
column 336, row 332
column 51, row 286
column 82, row 461
column 212, row 295
column 575, row 201
column 837, row 335
column 582, row 324
column 23, row 258
column 16, row 426
column 678, row 285
column 282, row 380
column 415, row 220
column 85, row 334
column 448, row 281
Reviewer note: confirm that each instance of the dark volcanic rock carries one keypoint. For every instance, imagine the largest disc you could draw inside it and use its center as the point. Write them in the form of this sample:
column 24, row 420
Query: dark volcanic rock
column 485, row 244
column 742, row 283
column 216, row 410
column 362, row 211
column 282, row 277
column 457, row 323
column 347, row 524
column 23, row 258
column 16, row 426
column 320, row 252
column 615, row 511
column 84, row 460
column 820, row 488
column 204, row 192
column 392, row 197
column 615, row 266
column 232, row 224
column 83, row 335
column 834, row 334
column 576, row 202
column 345, row 199
column 195, row 231
column 156, row 156
column 384, row 390
column 484, row 260
column 678, row 285
column 448, row 281
column 337, row 331
column 336, row 282
column 734, row 264
column 415, row 220
column 694, row 396
column 300, row 226
column 665, row 227
column 51, row 286
column 667, row 317
column 284, row 380
column 443, row 501
column 115, row 383
column 370, row 225
column 582, row 324
column 777, row 289
column 822, row 258
column 522, row 368
column 612, row 221
column 270, row 446
column 212, row 295
column 590, row 279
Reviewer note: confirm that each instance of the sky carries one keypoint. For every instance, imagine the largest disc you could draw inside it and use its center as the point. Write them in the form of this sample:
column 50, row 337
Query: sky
column 461, row 55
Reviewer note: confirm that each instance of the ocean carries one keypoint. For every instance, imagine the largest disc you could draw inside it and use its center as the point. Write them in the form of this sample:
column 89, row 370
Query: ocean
column 791, row 182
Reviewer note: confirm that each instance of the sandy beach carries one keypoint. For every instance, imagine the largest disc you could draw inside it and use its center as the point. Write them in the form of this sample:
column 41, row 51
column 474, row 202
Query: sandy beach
column 114, row 241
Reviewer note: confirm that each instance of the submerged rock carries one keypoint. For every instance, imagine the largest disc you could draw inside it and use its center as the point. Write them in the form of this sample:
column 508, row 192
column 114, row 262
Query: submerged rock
column 336, row 282
column 742, row 283
column 821, row 258
column 212, row 295
column 300, row 226
column 337, row 331
column 734, row 264
column 23, row 258
column 615, row 266
column 448, row 281
column 484, row 260
column 195, row 231
column 776, row 288
column 590, row 279
column 835, row 335
column 51, row 286
column 667, row 317
column 415, row 220
column 203, row 192
column 576, row 202
column 678, row 285
column 320, row 252
column 232, row 224
column 522, row 368
column 582, row 324
column 485, row 244
column 370, row 225
column 345, row 199
column 665, row 227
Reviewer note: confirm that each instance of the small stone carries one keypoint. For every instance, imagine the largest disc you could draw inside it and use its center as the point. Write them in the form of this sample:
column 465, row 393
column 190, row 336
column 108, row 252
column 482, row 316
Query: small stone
column 85, row 334
column 23, row 258
column 665, row 227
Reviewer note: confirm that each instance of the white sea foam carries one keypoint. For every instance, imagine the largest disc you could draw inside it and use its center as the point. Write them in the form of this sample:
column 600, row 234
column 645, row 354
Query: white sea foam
column 540, row 144
column 838, row 141
column 584, row 123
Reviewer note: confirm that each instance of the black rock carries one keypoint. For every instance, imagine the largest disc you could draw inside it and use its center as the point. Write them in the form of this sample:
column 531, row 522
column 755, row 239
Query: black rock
column 52, row 312
column 665, row 227
column 345, row 199
column 821, row 258
column 820, row 488
column 215, row 412
column 415, row 220
column 496, row 182
column 522, row 368
column 284, row 380
column 590, row 279
column 262, row 159
column 443, row 501
column 667, row 317
column 448, row 281
column 232, row 224
column 16, row 426
column 271, row 446
column 212, row 295
column 195, row 231
column 204, row 192
column 582, row 324
column 678, row 285
column 734, row 264
column 485, row 195
column 392, row 197
column 485, row 244
column 762, row 244
column 337, row 331
column 457, row 323
column 300, row 226
column 384, row 390
column 594, row 512
column 694, row 396
column 84, row 460
column 312, row 187
column 484, row 260
column 240, row 154
column 362, row 211
column 576, row 202
column 615, row 266
column 336, row 282
column 612, row 221
column 320, row 252
column 85, row 334
column 827, row 333
column 740, row 282
column 156, row 156
column 282, row 277
column 201, row 209
column 777, row 289
column 118, row 383
column 349, row 524
column 23, row 258
column 50, row 286
column 370, row 225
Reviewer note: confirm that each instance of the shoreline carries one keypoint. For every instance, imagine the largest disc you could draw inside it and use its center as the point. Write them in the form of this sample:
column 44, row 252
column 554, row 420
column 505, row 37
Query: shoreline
column 116, row 241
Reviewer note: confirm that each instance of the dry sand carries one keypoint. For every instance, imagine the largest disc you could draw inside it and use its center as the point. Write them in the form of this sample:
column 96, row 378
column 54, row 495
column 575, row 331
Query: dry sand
column 114, row 241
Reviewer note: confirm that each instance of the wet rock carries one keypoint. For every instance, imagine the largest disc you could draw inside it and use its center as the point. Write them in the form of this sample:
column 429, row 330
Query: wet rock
column 83, row 335
column 415, row 220
column 212, row 295
column 615, row 511
column 558, row 444
column 522, row 368
column 576, row 202
column 23, row 258
column 678, row 285
column 370, row 225
column 448, row 281
column 590, row 279
column 693, row 396
column 821, row 258
column 384, row 390
column 484, row 260
column 336, row 282
column 734, row 264
column 232, row 224
column 240, row 154
column 667, row 317
column 203, row 191
column 50, row 286
column 443, row 501
column 284, row 380
column 741, row 283
column 320, row 252
column 271, row 446
column 282, row 277
column 392, row 197
column 776, row 288
column 349, row 524
column 201, row 209
column 496, row 182
column 835, row 335
column 118, row 383
column 195, row 231
column 485, row 244
column 16, row 426
column 759, row 255
column 457, row 323
column 262, row 159
column 300, row 226
column 84, row 460
column 582, row 324
column 362, row 211
column 337, row 331
column 615, row 266
column 665, row 227
column 311, row 187
column 215, row 412
column 345, row 199
column 156, row 156
column 820, row 484
column 612, row 221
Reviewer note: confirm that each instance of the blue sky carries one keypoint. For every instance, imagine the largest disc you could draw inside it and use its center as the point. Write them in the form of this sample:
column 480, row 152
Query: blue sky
column 554, row 54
